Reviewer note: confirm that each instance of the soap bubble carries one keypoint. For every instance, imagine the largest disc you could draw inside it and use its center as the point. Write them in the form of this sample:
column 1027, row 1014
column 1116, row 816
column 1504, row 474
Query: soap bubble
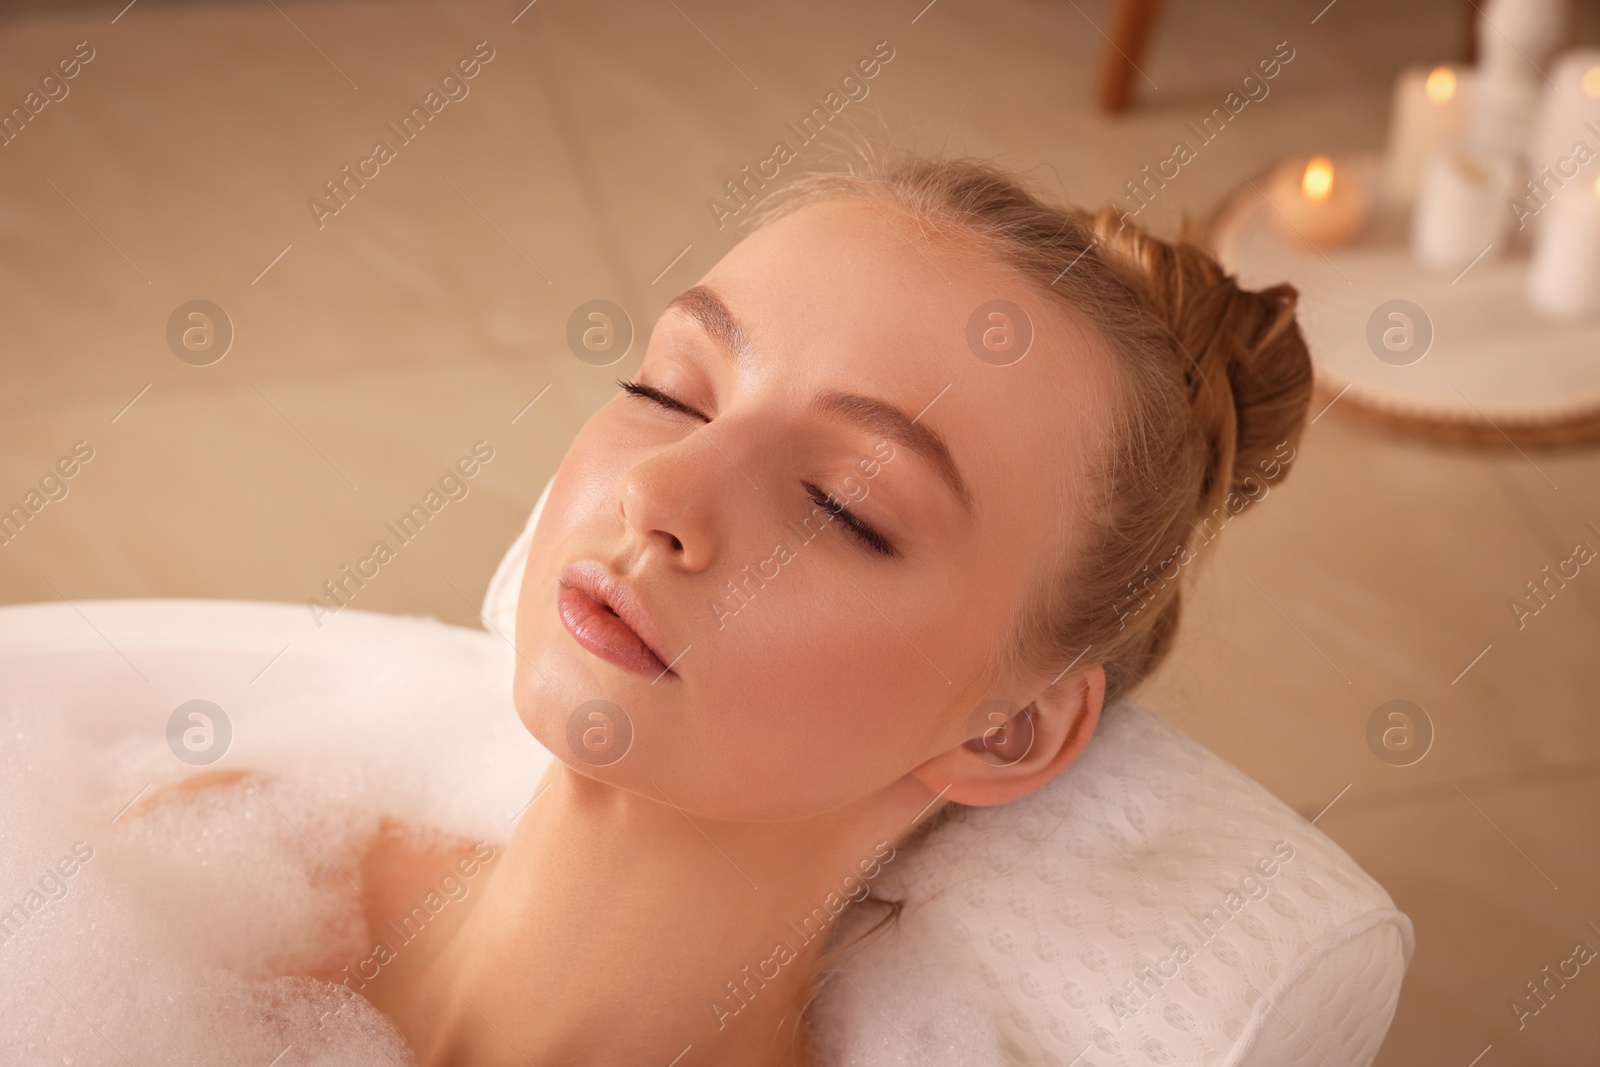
column 211, row 924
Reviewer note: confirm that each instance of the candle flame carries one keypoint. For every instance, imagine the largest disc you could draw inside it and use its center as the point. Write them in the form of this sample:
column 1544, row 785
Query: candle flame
column 1591, row 83
column 1441, row 85
column 1318, row 180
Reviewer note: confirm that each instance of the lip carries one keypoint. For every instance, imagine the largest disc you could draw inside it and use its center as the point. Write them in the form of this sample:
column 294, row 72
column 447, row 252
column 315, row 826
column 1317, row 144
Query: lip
column 606, row 618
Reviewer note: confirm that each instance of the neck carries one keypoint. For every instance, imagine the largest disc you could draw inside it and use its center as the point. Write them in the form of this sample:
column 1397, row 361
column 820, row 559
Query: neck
column 616, row 929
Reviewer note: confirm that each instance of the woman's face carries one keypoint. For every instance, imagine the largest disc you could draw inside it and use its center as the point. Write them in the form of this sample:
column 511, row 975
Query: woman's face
column 815, row 656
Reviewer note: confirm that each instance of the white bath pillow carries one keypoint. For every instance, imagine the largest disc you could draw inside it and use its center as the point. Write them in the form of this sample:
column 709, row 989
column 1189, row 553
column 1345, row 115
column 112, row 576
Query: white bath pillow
column 499, row 611
column 1153, row 905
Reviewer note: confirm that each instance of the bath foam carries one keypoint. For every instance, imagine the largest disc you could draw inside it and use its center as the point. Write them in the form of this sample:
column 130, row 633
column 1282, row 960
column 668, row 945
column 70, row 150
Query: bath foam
column 197, row 861
column 167, row 1014
column 186, row 936
column 111, row 968
column 178, row 939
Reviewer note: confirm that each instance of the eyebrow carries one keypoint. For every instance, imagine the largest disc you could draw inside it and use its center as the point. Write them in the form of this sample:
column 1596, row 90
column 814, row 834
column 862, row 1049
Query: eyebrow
column 876, row 416
column 704, row 306
column 888, row 421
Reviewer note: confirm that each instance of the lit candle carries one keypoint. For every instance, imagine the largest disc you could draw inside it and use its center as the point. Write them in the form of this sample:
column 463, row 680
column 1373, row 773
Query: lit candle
column 1317, row 203
column 1461, row 210
column 1429, row 113
column 1564, row 280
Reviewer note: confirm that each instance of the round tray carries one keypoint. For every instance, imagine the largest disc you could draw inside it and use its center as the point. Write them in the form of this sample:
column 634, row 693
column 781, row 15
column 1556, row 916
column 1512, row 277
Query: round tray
column 1496, row 374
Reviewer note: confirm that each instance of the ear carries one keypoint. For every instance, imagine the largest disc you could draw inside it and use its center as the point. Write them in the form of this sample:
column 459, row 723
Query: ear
column 1011, row 751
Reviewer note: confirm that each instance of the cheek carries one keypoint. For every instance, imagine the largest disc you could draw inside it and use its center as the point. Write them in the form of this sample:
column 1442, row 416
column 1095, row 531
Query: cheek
column 583, row 496
column 550, row 678
column 808, row 699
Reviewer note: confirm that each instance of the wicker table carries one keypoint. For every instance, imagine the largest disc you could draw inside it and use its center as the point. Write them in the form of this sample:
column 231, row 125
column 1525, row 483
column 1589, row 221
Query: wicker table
column 1461, row 359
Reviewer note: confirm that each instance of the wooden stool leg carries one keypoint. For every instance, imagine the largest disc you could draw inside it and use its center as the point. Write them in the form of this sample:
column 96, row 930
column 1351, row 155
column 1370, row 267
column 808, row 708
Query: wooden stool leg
column 1469, row 50
column 1129, row 30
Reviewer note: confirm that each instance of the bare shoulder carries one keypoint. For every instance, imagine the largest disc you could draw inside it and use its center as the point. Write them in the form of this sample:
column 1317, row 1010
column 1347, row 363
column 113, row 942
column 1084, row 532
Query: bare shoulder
column 406, row 865
column 414, row 884
column 401, row 861
column 183, row 787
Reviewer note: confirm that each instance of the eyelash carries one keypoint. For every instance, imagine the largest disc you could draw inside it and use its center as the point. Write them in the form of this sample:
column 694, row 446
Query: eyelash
column 870, row 538
column 861, row 531
column 657, row 397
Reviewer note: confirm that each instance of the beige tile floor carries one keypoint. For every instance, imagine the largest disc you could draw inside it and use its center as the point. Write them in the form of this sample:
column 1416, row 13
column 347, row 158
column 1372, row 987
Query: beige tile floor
column 429, row 312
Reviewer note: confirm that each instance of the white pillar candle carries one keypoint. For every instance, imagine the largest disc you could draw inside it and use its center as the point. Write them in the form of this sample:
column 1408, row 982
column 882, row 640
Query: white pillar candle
column 1567, row 131
column 1564, row 280
column 1515, row 37
column 1502, row 117
column 1429, row 113
column 1461, row 210
column 1312, row 200
column 1515, row 40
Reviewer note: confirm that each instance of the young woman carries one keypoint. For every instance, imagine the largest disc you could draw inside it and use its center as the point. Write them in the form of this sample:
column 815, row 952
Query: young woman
column 895, row 507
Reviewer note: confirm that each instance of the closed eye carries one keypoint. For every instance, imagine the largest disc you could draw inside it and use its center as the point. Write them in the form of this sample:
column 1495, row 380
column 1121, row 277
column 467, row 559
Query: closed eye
column 862, row 532
column 656, row 396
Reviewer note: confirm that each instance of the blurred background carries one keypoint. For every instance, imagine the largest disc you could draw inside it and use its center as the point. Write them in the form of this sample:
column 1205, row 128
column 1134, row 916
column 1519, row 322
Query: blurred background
column 366, row 349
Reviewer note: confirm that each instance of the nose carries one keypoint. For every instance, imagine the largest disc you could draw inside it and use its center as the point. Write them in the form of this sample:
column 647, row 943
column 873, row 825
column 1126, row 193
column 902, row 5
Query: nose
column 666, row 505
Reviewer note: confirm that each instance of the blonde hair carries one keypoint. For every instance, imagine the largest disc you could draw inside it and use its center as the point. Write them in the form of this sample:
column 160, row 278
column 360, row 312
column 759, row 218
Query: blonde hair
column 1212, row 382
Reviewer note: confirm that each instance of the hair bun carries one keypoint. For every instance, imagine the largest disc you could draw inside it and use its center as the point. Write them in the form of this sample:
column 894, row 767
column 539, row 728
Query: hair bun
column 1211, row 385
column 1247, row 367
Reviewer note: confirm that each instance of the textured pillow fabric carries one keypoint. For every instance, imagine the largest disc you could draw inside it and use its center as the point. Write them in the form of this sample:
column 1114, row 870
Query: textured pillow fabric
column 1153, row 905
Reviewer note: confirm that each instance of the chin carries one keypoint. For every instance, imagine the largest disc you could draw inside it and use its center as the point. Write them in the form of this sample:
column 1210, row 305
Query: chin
column 547, row 686
column 564, row 701
column 528, row 693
